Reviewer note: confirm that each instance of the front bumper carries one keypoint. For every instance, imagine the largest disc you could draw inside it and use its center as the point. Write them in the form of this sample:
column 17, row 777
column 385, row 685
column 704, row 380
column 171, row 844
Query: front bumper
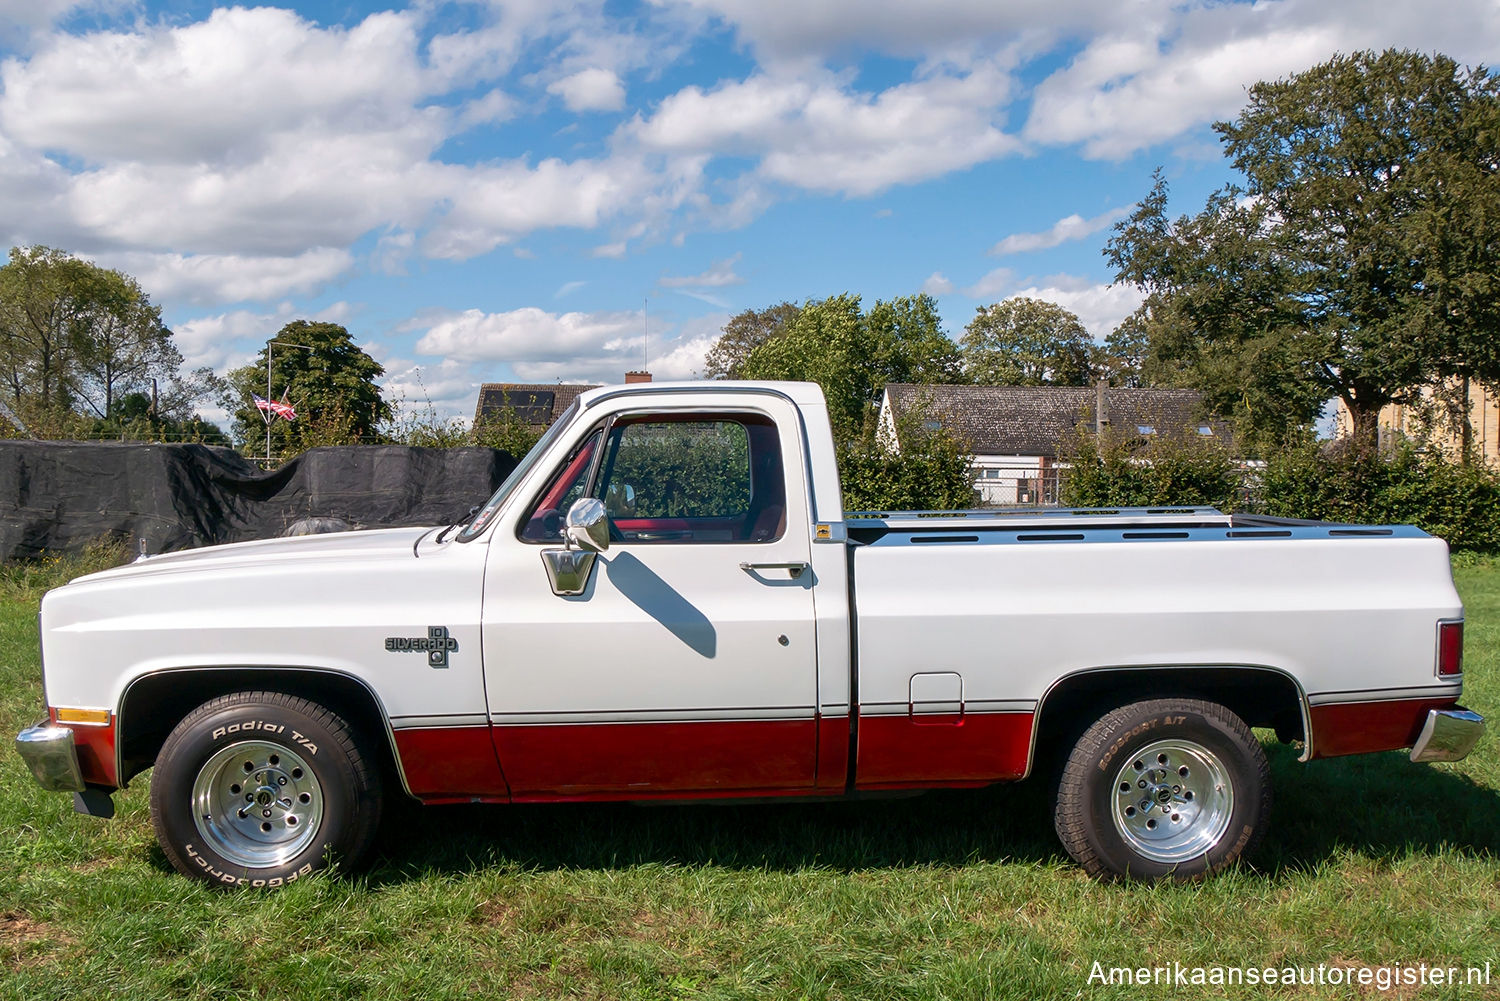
column 1448, row 735
column 53, row 759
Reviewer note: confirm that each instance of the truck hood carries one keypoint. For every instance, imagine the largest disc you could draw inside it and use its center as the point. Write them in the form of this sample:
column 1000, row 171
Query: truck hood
column 381, row 544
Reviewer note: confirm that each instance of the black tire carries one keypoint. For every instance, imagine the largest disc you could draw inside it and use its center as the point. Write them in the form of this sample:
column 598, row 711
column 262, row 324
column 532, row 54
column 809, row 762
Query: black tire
column 1169, row 788
column 261, row 789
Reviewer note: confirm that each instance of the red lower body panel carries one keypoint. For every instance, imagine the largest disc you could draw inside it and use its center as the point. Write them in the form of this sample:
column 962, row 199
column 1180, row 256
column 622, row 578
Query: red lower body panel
column 833, row 754
column 898, row 752
column 1362, row 727
column 451, row 763
column 650, row 760
column 96, row 750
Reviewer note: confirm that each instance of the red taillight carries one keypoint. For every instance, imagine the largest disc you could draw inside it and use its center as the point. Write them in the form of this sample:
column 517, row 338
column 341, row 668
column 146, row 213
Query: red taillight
column 1450, row 660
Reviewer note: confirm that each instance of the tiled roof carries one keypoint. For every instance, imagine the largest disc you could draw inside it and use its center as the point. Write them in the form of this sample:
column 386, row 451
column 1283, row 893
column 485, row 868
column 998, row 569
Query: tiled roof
column 538, row 404
column 1037, row 420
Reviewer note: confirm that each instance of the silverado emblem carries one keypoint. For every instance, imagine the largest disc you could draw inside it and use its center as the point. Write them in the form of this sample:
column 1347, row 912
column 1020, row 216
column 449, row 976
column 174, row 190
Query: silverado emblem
column 437, row 643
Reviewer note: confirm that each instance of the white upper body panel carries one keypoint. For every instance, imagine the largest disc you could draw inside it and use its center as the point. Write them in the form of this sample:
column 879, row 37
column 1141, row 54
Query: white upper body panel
column 1346, row 617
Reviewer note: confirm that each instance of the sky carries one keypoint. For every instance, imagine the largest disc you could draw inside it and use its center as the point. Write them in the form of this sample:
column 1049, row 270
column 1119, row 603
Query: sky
column 539, row 191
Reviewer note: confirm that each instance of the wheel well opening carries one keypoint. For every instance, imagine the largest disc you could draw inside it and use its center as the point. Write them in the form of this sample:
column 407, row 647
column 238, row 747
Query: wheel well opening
column 1261, row 697
column 155, row 704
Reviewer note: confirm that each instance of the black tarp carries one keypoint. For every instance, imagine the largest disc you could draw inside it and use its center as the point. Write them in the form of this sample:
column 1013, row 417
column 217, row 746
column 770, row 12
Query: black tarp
column 57, row 496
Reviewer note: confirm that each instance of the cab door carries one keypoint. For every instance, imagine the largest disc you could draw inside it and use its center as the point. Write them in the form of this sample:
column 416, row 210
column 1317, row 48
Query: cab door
column 688, row 664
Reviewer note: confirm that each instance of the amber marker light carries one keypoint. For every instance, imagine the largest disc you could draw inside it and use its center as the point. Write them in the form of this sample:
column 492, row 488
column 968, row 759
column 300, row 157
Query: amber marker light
column 95, row 717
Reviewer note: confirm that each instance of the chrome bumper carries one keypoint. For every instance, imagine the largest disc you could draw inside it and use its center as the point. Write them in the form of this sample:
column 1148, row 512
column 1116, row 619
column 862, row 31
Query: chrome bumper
column 1448, row 735
column 51, row 756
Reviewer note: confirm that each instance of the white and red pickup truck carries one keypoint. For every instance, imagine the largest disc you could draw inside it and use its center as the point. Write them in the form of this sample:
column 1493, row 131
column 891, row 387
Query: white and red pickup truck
column 666, row 601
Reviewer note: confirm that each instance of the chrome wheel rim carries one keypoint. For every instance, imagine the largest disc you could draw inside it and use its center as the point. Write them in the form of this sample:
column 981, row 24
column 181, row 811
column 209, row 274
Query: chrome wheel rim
column 257, row 804
column 1172, row 801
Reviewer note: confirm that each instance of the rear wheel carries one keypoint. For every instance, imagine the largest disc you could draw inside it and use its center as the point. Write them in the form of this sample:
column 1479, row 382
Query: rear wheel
column 263, row 788
column 1166, row 788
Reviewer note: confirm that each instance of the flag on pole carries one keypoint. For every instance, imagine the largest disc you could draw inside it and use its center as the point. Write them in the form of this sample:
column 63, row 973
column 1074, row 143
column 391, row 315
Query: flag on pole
column 278, row 408
column 282, row 408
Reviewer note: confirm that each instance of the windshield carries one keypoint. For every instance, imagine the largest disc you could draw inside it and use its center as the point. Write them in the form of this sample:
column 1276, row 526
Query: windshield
column 497, row 500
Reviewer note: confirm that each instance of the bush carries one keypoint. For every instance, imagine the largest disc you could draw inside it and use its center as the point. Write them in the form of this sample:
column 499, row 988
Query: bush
column 1458, row 501
column 930, row 470
column 1112, row 470
column 1454, row 500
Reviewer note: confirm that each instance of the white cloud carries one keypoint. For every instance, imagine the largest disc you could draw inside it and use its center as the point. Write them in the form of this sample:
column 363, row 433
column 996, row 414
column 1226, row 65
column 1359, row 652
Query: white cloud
column 490, row 109
column 226, row 340
column 541, row 346
column 720, row 274
column 1073, row 227
column 1099, row 306
column 611, row 250
column 20, row 17
column 1168, row 67
column 392, row 252
column 223, row 278
column 568, row 288
column 716, row 301
column 442, row 390
column 818, row 135
column 527, row 335
column 258, row 134
column 229, row 340
column 994, row 283
column 829, row 28
column 592, row 89
column 213, row 91
column 936, row 284
column 683, row 358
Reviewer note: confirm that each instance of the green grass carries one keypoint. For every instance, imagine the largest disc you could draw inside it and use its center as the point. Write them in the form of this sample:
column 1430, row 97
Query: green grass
column 1369, row 861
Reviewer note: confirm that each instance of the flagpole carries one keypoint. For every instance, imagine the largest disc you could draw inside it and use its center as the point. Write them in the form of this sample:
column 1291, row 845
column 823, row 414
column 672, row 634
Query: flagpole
column 269, row 417
column 267, row 412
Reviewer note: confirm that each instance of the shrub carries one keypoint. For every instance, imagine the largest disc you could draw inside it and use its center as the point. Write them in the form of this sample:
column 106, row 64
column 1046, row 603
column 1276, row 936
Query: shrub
column 1113, row 470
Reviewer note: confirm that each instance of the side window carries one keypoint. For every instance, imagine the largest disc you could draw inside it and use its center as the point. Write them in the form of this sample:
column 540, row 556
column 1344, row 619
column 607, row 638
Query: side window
column 546, row 520
column 701, row 480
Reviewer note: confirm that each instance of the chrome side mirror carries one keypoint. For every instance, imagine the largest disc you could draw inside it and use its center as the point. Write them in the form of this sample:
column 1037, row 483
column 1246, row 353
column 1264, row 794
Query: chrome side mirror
column 587, row 525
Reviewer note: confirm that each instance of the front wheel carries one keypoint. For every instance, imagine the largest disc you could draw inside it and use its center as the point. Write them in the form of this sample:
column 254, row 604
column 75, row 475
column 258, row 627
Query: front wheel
column 1164, row 788
column 261, row 789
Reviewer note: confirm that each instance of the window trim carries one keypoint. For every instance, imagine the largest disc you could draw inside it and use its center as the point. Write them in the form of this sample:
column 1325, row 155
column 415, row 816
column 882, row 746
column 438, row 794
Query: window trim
column 652, row 416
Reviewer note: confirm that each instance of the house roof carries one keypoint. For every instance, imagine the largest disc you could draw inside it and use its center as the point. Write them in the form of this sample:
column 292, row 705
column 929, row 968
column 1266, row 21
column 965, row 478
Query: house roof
column 1038, row 420
column 537, row 404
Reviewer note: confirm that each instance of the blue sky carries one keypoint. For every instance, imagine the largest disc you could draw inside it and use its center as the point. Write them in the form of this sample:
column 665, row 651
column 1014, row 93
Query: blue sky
column 504, row 190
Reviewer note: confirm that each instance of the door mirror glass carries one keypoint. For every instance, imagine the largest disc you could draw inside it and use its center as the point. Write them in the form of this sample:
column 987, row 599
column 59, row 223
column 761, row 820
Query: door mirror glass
column 588, row 525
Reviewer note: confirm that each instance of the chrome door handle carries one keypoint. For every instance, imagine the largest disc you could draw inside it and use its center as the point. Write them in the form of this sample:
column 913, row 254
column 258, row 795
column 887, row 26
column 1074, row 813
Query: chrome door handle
column 795, row 569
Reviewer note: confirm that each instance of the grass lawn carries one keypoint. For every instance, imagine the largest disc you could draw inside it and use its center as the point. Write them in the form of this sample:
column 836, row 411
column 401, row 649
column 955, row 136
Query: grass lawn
column 1369, row 861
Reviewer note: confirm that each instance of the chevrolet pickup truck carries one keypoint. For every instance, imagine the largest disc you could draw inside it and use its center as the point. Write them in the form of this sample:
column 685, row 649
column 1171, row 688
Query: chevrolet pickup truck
column 666, row 601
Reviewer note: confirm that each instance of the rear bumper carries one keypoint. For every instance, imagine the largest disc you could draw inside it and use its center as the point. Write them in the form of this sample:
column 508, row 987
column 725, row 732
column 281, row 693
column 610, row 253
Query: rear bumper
column 1448, row 735
column 52, row 757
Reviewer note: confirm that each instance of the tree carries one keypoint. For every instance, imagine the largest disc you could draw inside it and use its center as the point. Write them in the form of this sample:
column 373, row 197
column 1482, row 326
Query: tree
column 1027, row 342
column 745, row 332
column 853, row 355
column 75, row 337
column 1359, row 259
column 325, row 375
column 120, row 345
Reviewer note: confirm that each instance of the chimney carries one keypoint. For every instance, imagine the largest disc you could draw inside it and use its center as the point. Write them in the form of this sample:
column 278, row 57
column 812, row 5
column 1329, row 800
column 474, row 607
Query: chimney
column 633, row 377
column 1101, row 409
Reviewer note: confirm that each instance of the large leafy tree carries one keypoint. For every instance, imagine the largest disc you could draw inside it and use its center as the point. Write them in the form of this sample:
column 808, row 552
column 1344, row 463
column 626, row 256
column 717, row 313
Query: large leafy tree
column 853, row 354
column 325, row 375
column 745, row 332
column 1027, row 342
column 1360, row 257
column 76, row 338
